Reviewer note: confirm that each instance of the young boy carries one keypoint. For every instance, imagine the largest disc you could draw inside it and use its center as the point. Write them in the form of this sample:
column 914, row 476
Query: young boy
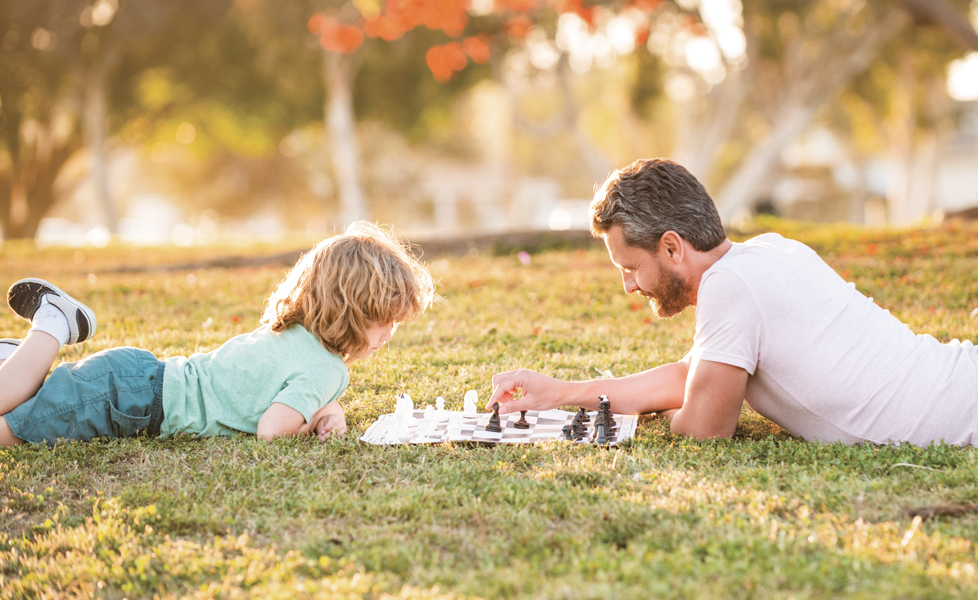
column 339, row 303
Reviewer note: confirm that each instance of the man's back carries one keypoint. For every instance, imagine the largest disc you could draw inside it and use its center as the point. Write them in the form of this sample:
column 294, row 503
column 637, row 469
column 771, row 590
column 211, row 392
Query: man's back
column 826, row 363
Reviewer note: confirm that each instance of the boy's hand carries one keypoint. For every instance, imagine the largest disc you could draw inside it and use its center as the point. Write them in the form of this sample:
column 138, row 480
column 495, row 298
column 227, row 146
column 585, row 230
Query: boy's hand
column 329, row 420
column 331, row 424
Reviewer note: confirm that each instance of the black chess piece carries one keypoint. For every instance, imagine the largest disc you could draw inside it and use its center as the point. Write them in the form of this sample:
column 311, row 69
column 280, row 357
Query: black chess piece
column 602, row 438
column 605, row 411
column 582, row 416
column 566, row 433
column 493, row 424
column 522, row 423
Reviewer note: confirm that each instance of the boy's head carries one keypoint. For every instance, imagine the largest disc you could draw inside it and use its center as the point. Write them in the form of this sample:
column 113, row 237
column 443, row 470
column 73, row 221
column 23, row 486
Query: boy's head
column 348, row 284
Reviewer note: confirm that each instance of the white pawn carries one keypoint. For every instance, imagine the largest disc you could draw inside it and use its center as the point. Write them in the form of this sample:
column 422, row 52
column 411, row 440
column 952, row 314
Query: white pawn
column 430, row 426
column 440, row 411
column 471, row 398
column 454, row 427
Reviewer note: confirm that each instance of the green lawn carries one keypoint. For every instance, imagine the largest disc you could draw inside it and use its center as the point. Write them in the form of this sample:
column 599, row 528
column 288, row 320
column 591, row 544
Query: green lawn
column 759, row 516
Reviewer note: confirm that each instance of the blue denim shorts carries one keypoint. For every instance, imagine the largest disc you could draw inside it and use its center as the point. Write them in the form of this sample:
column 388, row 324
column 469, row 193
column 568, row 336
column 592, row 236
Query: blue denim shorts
column 114, row 393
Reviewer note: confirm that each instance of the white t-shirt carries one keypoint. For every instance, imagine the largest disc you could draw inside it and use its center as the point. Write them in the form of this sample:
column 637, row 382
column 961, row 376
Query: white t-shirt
column 825, row 362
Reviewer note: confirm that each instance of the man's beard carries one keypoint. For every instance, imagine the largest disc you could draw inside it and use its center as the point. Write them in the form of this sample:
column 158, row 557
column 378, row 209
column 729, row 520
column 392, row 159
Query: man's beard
column 671, row 296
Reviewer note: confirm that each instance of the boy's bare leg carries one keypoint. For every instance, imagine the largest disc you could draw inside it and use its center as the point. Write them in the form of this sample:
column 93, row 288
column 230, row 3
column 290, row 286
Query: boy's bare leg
column 22, row 374
column 7, row 437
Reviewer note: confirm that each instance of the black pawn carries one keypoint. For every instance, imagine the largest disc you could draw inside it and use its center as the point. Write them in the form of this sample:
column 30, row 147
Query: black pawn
column 566, row 433
column 522, row 423
column 493, row 424
column 582, row 416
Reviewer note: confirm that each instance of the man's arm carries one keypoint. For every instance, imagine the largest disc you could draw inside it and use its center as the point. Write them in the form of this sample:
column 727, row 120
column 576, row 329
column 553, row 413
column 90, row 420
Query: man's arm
column 714, row 394
column 655, row 390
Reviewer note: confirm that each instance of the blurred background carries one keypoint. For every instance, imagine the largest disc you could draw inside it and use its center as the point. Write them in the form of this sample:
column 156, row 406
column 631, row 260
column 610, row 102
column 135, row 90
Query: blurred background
column 186, row 121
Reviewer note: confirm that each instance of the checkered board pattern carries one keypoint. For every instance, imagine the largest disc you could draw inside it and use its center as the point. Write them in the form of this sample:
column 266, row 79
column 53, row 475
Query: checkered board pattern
column 544, row 425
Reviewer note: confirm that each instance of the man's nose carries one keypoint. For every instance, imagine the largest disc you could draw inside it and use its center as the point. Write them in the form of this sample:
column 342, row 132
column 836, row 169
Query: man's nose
column 628, row 280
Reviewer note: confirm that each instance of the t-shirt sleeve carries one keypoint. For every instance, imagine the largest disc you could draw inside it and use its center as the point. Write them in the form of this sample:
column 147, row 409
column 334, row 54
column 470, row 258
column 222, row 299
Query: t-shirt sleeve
column 728, row 322
column 309, row 391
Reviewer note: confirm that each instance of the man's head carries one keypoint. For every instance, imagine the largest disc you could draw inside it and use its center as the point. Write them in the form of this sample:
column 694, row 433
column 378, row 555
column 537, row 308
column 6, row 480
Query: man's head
column 654, row 215
column 652, row 196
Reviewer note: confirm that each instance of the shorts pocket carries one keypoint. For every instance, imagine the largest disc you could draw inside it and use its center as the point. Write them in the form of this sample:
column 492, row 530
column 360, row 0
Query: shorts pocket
column 124, row 425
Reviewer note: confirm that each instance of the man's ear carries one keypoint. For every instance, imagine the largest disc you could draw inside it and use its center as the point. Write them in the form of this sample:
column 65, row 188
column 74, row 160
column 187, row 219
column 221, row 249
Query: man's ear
column 671, row 247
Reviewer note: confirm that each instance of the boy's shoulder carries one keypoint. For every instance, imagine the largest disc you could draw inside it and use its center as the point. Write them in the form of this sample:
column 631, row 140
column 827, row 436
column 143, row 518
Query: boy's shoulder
column 297, row 343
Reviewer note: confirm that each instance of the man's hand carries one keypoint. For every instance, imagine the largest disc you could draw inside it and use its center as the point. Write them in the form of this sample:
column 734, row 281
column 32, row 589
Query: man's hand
column 539, row 391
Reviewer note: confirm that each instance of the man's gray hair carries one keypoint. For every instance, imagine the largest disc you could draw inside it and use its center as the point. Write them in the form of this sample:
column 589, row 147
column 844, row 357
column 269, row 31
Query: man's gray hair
column 652, row 196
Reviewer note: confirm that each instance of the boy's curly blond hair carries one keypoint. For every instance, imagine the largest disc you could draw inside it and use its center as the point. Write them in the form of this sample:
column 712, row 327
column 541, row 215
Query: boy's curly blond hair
column 349, row 283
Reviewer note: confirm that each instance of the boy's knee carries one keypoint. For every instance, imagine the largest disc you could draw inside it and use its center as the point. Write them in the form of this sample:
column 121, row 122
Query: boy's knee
column 7, row 437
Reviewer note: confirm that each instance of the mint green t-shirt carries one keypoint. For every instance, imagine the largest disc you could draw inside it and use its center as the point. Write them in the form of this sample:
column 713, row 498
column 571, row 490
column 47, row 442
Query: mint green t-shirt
column 229, row 389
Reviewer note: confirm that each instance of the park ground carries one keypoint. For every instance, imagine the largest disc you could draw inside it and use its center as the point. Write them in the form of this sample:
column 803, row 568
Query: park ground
column 759, row 516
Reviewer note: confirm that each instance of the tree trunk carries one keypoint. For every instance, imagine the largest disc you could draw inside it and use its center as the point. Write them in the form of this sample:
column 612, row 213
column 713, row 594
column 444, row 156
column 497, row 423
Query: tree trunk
column 95, row 115
column 338, row 74
column 828, row 78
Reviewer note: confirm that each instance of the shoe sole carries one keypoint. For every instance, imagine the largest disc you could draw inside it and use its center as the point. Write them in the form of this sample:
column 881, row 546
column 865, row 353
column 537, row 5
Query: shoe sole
column 24, row 298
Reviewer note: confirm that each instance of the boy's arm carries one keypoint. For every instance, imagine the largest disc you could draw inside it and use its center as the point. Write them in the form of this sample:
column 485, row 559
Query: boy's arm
column 280, row 419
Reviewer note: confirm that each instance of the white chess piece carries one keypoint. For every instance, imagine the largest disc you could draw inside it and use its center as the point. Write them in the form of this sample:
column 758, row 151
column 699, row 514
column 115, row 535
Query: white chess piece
column 401, row 430
column 454, row 426
column 471, row 398
column 440, row 413
column 408, row 404
column 429, row 419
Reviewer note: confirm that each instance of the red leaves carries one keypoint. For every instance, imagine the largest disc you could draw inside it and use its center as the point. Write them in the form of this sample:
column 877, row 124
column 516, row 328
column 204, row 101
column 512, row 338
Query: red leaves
column 445, row 60
column 477, row 48
column 518, row 26
column 385, row 27
column 334, row 35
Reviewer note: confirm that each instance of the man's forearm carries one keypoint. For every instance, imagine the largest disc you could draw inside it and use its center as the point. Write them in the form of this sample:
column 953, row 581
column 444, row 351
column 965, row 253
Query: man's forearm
column 658, row 389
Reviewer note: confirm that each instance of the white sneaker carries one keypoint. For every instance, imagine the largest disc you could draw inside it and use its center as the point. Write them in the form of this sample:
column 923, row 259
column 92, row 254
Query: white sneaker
column 24, row 298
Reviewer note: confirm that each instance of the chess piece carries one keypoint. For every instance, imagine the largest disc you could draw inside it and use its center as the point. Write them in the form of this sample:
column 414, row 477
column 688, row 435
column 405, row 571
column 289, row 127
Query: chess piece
column 401, row 428
column 605, row 405
column 471, row 398
column 440, row 411
column 407, row 405
column 602, row 438
column 565, row 433
column 582, row 416
column 429, row 423
column 493, row 424
column 454, row 426
column 522, row 423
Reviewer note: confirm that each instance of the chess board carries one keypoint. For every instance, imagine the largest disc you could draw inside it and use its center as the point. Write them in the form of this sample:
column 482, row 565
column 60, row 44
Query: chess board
column 544, row 426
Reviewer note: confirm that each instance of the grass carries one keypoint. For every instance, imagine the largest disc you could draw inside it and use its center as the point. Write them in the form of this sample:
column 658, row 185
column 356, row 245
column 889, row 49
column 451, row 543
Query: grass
column 759, row 516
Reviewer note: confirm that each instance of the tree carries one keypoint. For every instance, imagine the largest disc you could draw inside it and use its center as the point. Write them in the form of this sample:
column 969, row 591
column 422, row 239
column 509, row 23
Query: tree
column 67, row 63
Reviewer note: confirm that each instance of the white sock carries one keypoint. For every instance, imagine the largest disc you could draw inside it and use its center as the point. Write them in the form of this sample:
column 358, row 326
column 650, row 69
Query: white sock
column 51, row 321
column 6, row 350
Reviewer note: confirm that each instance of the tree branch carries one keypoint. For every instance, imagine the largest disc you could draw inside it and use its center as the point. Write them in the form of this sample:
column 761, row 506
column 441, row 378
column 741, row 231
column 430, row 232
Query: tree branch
column 943, row 14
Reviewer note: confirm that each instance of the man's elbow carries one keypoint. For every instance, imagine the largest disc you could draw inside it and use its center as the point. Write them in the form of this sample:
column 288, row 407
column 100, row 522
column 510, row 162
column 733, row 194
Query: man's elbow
column 700, row 431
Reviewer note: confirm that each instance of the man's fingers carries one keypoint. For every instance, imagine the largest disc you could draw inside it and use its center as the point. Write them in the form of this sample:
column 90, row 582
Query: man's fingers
column 524, row 403
column 504, row 386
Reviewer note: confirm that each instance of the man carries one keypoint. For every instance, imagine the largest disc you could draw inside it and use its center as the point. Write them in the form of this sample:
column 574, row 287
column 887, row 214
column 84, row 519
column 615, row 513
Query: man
column 775, row 326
